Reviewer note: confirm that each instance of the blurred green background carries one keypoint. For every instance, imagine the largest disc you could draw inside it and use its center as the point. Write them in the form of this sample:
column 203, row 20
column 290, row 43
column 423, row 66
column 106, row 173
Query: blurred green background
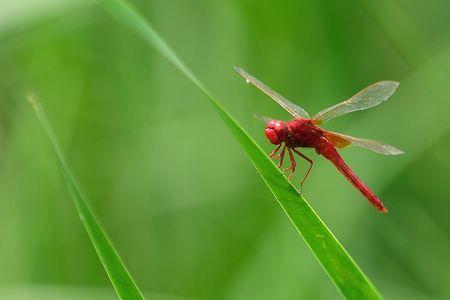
column 180, row 200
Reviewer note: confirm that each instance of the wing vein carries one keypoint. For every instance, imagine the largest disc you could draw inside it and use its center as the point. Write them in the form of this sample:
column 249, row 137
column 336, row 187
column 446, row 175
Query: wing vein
column 341, row 140
column 369, row 97
column 295, row 110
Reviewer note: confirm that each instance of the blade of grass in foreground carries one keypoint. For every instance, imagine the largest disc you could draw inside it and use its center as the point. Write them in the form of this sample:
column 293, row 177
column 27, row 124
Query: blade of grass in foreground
column 116, row 270
column 338, row 264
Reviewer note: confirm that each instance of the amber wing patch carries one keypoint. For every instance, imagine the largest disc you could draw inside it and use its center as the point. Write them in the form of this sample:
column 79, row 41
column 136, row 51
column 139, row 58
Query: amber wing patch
column 337, row 140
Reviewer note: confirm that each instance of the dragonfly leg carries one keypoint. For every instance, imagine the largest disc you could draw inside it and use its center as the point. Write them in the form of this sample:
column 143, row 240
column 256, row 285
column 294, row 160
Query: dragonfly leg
column 311, row 164
column 281, row 156
column 293, row 164
column 274, row 152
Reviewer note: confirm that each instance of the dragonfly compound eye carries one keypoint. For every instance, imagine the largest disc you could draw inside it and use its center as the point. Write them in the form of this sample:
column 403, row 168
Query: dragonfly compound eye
column 276, row 131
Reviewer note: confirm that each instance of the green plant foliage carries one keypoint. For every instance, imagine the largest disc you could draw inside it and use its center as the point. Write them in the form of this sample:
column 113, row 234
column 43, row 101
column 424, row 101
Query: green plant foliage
column 338, row 264
column 116, row 270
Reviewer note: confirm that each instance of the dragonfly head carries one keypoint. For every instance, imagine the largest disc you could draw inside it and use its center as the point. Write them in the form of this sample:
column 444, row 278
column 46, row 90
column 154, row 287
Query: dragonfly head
column 276, row 131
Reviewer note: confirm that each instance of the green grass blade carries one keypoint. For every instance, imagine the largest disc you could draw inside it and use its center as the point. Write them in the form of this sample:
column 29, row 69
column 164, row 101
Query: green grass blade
column 337, row 263
column 116, row 270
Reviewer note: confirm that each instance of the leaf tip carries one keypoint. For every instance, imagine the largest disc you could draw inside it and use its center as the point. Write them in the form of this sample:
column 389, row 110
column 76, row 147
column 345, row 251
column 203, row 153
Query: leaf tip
column 34, row 101
column 242, row 73
column 32, row 98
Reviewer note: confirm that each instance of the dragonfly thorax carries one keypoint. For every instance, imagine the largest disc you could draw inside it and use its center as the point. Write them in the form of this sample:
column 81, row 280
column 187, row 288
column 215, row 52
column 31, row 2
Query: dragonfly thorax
column 276, row 131
column 303, row 133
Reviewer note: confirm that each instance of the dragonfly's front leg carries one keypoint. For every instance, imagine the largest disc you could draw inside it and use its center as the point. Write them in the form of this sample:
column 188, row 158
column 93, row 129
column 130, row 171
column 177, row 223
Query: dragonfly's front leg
column 293, row 164
column 274, row 152
column 280, row 156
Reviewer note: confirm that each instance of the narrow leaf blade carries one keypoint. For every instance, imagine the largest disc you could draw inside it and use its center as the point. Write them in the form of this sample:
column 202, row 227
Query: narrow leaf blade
column 116, row 270
column 337, row 263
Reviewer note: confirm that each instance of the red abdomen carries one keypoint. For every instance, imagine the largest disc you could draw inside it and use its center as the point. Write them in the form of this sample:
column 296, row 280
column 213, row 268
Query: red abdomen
column 326, row 149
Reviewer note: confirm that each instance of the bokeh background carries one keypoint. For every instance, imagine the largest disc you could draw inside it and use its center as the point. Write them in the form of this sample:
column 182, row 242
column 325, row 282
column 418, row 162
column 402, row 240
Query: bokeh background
column 175, row 191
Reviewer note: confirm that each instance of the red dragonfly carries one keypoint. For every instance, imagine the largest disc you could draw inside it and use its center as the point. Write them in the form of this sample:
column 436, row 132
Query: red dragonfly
column 303, row 131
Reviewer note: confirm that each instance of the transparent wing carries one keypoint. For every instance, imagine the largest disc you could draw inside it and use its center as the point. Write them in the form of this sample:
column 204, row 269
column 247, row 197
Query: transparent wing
column 263, row 118
column 369, row 97
column 342, row 140
column 292, row 108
